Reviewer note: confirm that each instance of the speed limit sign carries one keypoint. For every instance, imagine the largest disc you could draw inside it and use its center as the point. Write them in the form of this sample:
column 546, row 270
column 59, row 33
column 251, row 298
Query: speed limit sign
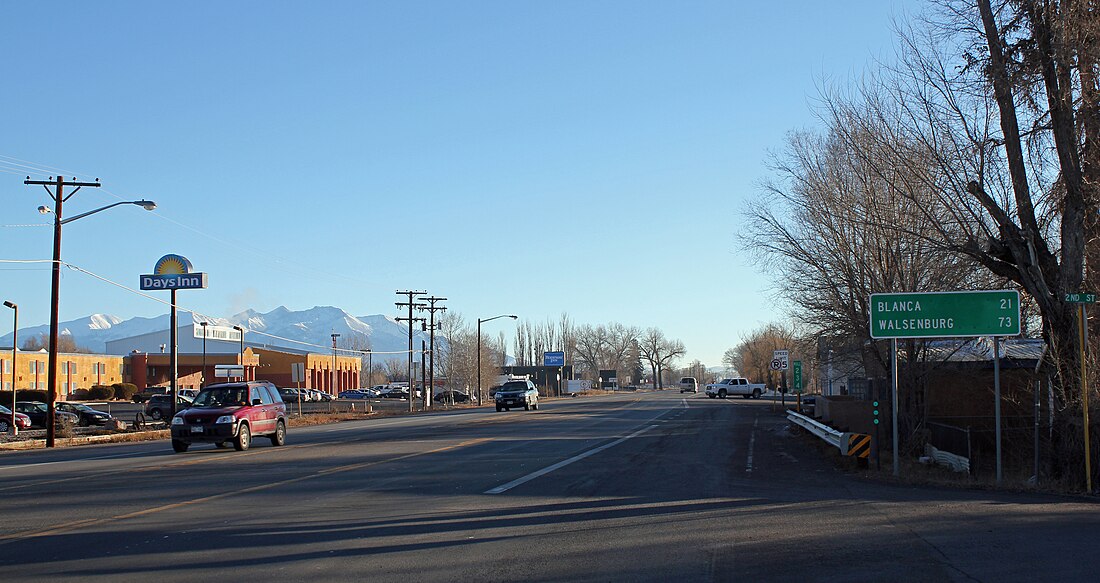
column 780, row 359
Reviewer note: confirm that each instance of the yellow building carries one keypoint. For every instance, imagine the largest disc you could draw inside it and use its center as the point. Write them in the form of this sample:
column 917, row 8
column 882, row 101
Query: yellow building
column 75, row 371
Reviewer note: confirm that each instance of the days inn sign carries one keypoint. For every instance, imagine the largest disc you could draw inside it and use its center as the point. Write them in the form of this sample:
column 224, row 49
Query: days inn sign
column 173, row 272
column 945, row 314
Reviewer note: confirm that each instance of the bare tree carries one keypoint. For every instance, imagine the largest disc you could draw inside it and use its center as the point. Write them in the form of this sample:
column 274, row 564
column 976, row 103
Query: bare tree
column 659, row 352
column 65, row 344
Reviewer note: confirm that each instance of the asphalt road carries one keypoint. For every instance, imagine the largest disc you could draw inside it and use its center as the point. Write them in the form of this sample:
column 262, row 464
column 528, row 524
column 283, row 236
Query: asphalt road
column 639, row 487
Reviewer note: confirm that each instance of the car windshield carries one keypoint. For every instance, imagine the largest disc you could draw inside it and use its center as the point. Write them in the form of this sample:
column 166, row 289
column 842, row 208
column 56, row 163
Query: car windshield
column 222, row 397
column 514, row 386
column 81, row 407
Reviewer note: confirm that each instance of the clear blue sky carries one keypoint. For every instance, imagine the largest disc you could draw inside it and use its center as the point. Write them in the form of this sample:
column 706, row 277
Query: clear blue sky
column 588, row 157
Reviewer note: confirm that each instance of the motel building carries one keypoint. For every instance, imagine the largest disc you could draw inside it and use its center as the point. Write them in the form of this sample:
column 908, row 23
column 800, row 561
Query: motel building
column 75, row 371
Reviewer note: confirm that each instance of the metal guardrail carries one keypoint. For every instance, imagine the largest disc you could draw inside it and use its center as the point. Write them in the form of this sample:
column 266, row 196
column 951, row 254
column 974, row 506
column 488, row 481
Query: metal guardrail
column 831, row 436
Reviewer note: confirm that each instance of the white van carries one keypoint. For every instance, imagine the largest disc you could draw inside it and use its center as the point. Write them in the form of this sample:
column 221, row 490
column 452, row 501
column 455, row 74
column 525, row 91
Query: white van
column 689, row 385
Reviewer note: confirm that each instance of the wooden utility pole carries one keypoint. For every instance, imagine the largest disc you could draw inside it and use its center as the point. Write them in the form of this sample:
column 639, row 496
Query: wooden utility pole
column 412, row 303
column 432, row 309
column 59, row 199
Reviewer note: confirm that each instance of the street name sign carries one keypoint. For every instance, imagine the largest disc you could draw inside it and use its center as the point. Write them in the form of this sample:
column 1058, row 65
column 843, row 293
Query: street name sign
column 797, row 377
column 945, row 314
column 1081, row 298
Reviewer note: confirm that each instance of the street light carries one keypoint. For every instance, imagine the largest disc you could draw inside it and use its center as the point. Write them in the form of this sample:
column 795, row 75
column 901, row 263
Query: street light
column 332, row 388
column 59, row 199
column 14, row 343
column 241, row 330
column 202, row 377
column 480, row 321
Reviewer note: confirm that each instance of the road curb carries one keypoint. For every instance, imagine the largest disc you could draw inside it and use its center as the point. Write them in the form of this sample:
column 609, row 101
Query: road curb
column 71, row 441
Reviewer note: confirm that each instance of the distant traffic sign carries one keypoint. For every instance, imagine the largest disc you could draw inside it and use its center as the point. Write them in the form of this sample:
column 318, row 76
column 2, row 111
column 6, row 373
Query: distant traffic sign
column 553, row 359
column 945, row 314
column 797, row 377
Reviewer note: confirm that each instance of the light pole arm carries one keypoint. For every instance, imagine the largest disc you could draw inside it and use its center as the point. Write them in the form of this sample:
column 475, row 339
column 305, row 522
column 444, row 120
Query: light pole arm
column 146, row 204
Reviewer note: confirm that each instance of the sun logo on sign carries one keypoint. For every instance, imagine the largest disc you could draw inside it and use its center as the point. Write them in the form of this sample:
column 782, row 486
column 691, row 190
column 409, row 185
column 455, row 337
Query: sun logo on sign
column 172, row 265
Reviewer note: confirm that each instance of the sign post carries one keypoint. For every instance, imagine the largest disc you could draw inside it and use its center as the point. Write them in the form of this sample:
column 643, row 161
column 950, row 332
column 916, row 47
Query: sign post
column 796, row 380
column 1083, row 338
column 955, row 314
column 173, row 272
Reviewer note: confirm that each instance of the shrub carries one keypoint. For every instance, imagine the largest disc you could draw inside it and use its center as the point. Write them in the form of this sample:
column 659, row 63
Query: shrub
column 101, row 393
column 64, row 428
column 124, row 391
column 81, row 395
column 30, row 395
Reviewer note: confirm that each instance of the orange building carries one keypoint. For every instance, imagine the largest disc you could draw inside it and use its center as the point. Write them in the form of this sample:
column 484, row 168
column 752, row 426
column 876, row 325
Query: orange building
column 317, row 369
column 75, row 371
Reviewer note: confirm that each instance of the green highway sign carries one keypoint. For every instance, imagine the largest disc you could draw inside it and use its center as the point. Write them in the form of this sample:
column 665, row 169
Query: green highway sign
column 945, row 314
column 1081, row 298
column 797, row 376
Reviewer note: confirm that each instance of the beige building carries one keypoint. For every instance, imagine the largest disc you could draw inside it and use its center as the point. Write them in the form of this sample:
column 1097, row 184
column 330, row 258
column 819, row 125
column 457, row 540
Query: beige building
column 75, row 371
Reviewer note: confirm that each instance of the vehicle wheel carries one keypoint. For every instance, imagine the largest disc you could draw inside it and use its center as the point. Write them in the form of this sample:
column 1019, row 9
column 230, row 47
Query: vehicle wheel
column 279, row 437
column 179, row 446
column 499, row 408
column 756, row 393
column 526, row 406
column 5, row 426
column 220, row 444
column 83, row 422
column 244, row 438
column 156, row 414
column 745, row 396
column 722, row 394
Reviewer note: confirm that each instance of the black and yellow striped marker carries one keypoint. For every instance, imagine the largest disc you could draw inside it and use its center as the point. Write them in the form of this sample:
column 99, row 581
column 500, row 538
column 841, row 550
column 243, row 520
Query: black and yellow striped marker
column 859, row 445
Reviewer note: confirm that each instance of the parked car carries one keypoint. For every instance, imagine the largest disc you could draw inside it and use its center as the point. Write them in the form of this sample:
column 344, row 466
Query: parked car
column 395, row 393
column 689, row 385
column 352, row 394
column 38, row 411
column 517, row 394
column 291, row 395
column 231, row 412
column 452, row 397
column 321, row 396
column 189, row 393
column 22, row 421
column 160, row 406
column 85, row 415
column 144, row 394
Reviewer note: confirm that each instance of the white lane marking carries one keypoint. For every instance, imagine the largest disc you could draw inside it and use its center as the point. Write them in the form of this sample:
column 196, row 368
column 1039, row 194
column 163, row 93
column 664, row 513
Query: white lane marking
column 752, row 441
column 684, row 403
column 505, row 487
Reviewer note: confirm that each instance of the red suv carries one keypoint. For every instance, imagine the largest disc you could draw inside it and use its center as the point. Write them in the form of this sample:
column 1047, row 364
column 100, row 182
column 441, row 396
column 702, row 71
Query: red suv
column 231, row 412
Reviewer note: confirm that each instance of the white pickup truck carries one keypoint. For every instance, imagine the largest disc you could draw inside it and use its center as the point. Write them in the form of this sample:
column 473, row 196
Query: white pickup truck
column 735, row 386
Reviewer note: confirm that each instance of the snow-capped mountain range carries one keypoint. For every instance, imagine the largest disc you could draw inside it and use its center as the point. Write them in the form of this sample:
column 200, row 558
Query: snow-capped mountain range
column 279, row 327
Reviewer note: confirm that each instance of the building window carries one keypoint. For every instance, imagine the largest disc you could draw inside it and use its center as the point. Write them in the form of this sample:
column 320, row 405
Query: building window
column 65, row 368
column 34, row 366
column 73, row 368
